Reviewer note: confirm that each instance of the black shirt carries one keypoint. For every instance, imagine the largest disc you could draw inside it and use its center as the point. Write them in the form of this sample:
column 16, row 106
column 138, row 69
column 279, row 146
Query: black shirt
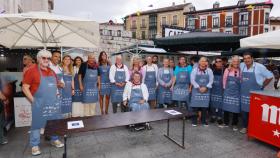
column 83, row 69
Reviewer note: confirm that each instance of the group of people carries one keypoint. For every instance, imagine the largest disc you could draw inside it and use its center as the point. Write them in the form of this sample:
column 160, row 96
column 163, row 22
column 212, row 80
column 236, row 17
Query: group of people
column 72, row 88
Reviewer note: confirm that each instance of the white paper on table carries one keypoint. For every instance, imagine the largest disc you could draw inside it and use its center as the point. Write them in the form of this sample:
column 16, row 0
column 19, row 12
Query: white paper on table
column 75, row 124
column 172, row 112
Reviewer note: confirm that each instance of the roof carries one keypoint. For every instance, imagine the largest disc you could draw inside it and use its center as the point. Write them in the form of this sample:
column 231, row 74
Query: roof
column 200, row 41
column 161, row 10
column 274, row 18
column 228, row 8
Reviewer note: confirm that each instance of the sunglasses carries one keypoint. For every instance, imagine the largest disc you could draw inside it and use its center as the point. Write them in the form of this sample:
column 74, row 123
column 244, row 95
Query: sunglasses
column 46, row 58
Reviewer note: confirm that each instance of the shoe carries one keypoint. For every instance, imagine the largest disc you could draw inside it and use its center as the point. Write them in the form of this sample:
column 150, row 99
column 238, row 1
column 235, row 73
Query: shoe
column 223, row 126
column 220, row 121
column 243, row 130
column 148, row 126
column 35, row 151
column 4, row 141
column 235, row 128
column 205, row 124
column 194, row 125
column 57, row 143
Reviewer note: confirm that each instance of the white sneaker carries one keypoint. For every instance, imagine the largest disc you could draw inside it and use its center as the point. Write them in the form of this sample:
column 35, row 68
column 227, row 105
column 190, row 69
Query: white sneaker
column 194, row 125
column 57, row 143
column 35, row 151
column 243, row 130
column 223, row 126
column 4, row 141
column 235, row 128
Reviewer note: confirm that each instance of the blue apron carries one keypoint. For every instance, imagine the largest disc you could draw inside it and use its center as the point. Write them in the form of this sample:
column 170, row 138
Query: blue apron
column 164, row 94
column 217, row 92
column 135, row 97
column 78, row 94
column 248, row 83
column 105, row 87
column 46, row 105
column 90, row 92
column 150, row 81
column 200, row 100
column 117, row 92
column 180, row 90
column 66, row 105
column 231, row 100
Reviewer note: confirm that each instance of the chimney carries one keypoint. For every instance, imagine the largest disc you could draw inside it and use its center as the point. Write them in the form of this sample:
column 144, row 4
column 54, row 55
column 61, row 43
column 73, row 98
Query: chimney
column 241, row 2
column 216, row 5
column 173, row 3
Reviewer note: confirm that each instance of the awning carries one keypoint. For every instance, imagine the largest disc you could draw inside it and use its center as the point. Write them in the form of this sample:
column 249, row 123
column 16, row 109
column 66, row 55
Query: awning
column 200, row 41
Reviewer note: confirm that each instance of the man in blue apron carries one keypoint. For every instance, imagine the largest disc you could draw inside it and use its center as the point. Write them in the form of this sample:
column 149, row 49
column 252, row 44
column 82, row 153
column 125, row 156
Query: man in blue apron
column 165, row 76
column 216, row 100
column 201, row 80
column 181, row 84
column 150, row 72
column 255, row 77
column 40, row 87
column 88, row 76
column 119, row 76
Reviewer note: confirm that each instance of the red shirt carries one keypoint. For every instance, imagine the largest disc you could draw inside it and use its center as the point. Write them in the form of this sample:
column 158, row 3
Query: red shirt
column 32, row 77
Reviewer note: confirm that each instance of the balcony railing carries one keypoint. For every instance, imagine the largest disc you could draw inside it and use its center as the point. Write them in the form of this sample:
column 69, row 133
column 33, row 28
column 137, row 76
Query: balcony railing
column 243, row 23
column 143, row 26
column 216, row 26
column 203, row 27
column 228, row 24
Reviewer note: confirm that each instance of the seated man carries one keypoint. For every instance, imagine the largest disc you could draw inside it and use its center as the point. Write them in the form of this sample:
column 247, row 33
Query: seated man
column 136, row 95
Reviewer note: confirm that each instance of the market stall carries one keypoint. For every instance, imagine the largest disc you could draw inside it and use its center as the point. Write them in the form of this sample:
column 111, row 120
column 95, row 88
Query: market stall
column 264, row 118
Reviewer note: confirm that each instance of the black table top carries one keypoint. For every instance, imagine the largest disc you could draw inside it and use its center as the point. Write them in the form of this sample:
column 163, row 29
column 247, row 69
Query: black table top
column 59, row 127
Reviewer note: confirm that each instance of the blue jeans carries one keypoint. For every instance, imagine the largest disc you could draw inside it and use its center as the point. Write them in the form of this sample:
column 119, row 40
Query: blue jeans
column 245, row 118
column 34, row 139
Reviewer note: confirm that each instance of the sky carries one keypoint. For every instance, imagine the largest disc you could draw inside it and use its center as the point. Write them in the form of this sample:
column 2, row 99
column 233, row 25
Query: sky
column 105, row 10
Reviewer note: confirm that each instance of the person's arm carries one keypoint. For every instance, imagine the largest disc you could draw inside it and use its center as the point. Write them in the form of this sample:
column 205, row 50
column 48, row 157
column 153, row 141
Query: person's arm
column 170, row 82
column 2, row 96
column 73, row 86
column 127, row 77
column 80, row 77
column 145, row 92
column 225, row 76
column 211, row 78
column 126, row 93
column 112, row 72
column 266, row 74
column 159, row 80
column 156, row 70
column 174, row 77
column 144, row 73
column 27, row 92
column 193, row 82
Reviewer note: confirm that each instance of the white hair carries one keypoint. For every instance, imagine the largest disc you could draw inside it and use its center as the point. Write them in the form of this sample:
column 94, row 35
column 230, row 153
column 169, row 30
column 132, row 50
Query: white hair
column 91, row 55
column 44, row 53
column 203, row 58
column 235, row 57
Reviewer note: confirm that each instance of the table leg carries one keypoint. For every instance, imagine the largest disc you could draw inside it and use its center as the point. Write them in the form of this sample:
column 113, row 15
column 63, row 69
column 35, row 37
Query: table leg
column 183, row 135
column 65, row 147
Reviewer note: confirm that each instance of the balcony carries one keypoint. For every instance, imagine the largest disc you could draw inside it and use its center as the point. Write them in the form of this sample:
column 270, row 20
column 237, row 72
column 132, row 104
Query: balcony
column 243, row 23
column 133, row 27
column 216, row 26
column 143, row 26
column 228, row 24
column 203, row 27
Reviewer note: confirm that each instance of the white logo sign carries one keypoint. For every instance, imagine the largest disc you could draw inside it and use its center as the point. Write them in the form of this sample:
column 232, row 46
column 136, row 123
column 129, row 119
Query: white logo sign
column 174, row 32
column 269, row 114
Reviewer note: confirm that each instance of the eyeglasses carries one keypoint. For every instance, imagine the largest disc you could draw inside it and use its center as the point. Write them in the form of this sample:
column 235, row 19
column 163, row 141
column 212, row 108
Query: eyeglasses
column 46, row 58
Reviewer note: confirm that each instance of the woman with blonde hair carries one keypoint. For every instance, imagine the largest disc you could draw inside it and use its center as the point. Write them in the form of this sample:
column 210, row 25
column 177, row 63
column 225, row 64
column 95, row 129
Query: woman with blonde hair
column 231, row 86
column 68, row 90
column 135, row 66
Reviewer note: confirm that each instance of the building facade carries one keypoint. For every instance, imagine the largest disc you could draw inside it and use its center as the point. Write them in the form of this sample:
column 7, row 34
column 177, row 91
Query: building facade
column 274, row 23
column 242, row 18
column 20, row 6
column 149, row 24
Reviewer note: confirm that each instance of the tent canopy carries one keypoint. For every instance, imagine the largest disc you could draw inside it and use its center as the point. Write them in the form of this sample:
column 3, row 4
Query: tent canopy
column 200, row 41
column 269, row 40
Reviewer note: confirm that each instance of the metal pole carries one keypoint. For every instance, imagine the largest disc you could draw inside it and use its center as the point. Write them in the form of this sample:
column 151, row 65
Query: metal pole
column 65, row 147
column 168, row 127
column 183, row 134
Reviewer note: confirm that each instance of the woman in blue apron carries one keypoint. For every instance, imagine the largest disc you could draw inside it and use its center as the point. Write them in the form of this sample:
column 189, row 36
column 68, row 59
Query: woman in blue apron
column 118, row 75
column 150, row 79
column 181, row 84
column 68, row 90
column 216, row 99
column 88, row 76
column 44, row 100
column 77, row 106
column 104, row 81
column 202, row 80
column 231, row 99
column 165, row 76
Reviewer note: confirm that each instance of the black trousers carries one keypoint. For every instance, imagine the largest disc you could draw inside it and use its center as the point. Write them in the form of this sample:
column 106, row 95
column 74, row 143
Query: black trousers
column 123, row 108
column 227, row 118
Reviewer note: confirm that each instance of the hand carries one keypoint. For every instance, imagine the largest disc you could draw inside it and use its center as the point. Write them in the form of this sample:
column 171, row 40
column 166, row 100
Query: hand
column 202, row 89
column 3, row 97
column 60, row 84
column 122, row 84
column 190, row 89
column 81, row 88
column 171, row 88
column 142, row 101
column 125, row 103
column 73, row 92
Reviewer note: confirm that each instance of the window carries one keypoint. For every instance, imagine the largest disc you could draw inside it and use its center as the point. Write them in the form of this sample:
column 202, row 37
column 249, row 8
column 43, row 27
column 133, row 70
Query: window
column 143, row 34
column 152, row 21
column 175, row 20
column 143, row 25
column 228, row 32
column 163, row 21
column 216, row 22
column 134, row 34
column 133, row 26
column 191, row 23
column 228, row 21
column 243, row 19
column 273, row 28
column 266, row 18
column 266, row 30
column 203, row 23
column 119, row 33
column 101, row 32
column 153, row 34
column 243, row 31
column 109, row 32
